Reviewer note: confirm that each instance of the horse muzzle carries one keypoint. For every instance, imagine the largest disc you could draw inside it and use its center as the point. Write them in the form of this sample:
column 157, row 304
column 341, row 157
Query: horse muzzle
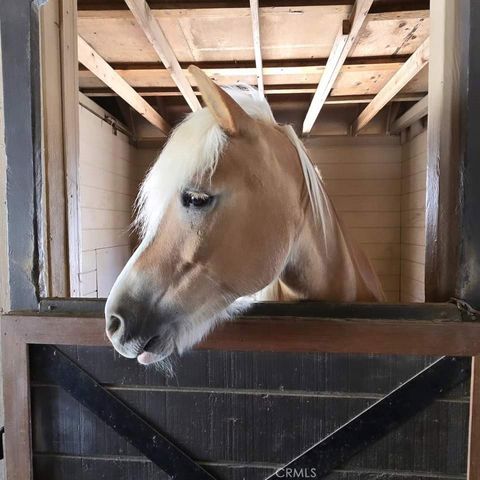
column 137, row 331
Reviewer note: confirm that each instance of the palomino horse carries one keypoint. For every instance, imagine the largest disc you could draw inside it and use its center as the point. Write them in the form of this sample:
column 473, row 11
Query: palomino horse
column 232, row 211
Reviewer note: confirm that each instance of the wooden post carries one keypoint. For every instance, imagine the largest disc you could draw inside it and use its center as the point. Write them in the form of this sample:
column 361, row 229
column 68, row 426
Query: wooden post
column 71, row 129
column 55, row 222
column 444, row 151
column 473, row 472
column 16, row 388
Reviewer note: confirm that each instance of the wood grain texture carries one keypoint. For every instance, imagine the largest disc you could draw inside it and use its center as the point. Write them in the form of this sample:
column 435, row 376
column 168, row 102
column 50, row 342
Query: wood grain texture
column 291, row 399
column 56, row 228
column 412, row 115
column 97, row 65
column 344, row 42
column 159, row 42
column 267, row 429
column 444, row 150
column 402, row 77
column 287, row 33
column 283, row 334
column 16, row 390
column 60, row 468
column 354, row 78
column 69, row 61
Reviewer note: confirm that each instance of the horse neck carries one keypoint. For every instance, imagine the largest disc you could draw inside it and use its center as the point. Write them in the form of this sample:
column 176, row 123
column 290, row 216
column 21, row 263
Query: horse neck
column 325, row 264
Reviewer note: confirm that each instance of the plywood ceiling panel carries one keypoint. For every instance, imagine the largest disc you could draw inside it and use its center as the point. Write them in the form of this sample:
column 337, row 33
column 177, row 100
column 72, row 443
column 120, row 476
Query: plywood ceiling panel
column 225, row 34
column 393, row 34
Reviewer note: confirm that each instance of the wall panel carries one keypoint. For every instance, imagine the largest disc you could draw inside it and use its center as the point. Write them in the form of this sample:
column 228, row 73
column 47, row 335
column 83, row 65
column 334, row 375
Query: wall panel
column 363, row 178
column 111, row 169
column 414, row 164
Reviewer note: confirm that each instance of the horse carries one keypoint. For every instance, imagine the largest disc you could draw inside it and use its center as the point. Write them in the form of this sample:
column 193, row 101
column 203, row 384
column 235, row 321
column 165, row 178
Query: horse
column 233, row 211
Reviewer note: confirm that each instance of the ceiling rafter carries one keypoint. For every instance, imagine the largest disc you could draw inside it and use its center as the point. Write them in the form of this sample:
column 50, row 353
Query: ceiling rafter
column 257, row 46
column 412, row 115
column 154, row 33
column 417, row 61
column 344, row 41
column 88, row 57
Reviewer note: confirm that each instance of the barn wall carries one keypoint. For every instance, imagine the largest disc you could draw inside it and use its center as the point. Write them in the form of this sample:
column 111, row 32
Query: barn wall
column 363, row 178
column 414, row 164
column 110, row 171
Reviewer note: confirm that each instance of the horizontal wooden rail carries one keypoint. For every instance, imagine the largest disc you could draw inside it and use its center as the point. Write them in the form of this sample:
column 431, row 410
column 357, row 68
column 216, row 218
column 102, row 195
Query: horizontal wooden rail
column 435, row 329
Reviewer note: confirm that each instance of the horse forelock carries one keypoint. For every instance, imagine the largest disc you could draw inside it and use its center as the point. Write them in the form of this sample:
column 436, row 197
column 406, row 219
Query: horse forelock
column 193, row 150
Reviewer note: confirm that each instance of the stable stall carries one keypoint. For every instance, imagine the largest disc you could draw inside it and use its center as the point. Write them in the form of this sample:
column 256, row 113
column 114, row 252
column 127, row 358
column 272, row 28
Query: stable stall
column 379, row 91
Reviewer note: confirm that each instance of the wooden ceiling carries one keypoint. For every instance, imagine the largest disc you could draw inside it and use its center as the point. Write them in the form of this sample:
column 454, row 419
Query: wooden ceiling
column 296, row 41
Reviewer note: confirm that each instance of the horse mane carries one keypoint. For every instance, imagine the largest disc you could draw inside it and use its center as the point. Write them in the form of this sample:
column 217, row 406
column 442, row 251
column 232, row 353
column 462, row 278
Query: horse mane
column 193, row 150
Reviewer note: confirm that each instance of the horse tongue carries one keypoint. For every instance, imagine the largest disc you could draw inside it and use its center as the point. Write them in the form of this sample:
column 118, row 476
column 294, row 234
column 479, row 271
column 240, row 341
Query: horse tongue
column 146, row 358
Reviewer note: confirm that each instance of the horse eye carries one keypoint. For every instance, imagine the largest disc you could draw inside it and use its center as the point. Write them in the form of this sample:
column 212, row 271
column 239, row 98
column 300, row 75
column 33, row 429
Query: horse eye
column 196, row 199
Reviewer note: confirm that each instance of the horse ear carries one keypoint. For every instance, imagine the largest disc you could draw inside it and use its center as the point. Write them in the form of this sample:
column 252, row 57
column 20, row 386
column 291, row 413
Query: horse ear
column 229, row 115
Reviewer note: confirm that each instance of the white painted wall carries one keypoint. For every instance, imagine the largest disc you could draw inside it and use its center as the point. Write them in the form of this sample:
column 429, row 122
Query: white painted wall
column 363, row 179
column 110, row 171
column 414, row 166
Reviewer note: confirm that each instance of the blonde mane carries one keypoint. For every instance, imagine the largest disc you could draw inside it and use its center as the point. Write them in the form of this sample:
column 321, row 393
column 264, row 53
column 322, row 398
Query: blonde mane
column 194, row 149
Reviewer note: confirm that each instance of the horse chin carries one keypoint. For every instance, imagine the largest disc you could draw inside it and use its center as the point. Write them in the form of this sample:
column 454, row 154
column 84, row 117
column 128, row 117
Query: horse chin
column 190, row 332
column 156, row 351
column 194, row 330
column 148, row 358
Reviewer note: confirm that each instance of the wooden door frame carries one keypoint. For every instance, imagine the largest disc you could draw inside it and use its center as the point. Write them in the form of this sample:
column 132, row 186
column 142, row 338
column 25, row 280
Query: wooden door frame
column 60, row 117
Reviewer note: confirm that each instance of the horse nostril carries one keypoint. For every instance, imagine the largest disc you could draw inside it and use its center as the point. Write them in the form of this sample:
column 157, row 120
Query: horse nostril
column 114, row 324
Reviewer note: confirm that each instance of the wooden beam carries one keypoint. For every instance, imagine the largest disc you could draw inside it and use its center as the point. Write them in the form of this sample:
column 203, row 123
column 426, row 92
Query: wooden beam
column 224, row 66
column 446, row 148
column 142, row 13
column 344, row 42
column 17, row 411
column 257, row 45
column 473, row 467
column 57, row 264
column 412, row 115
column 396, row 329
column 357, row 78
column 269, row 90
column 393, row 110
column 71, row 141
column 98, row 66
column 402, row 77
